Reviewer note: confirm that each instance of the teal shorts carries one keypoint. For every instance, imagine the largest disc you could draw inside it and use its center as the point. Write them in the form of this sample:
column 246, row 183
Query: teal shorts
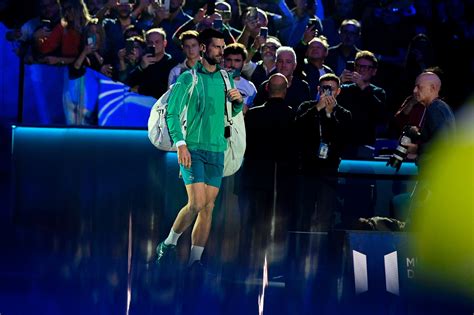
column 206, row 167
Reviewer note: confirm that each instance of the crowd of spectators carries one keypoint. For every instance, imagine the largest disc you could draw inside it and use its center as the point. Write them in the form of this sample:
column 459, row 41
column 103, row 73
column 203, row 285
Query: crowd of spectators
column 405, row 37
column 146, row 45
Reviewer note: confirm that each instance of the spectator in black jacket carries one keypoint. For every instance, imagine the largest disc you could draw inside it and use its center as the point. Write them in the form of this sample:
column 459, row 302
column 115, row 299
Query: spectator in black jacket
column 310, row 59
column 321, row 131
column 268, row 166
column 365, row 101
column 262, row 122
column 151, row 75
column 338, row 55
column 298, row 89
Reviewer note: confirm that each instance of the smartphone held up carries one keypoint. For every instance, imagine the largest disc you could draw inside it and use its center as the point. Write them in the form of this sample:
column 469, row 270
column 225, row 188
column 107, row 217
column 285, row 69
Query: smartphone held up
column 91, row 40
column 150, row 50
column 263, row 32
column 350, row 66
column 326, row 90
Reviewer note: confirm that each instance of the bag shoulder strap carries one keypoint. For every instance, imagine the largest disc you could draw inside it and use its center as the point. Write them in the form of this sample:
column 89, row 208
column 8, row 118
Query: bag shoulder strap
column 190, row 94
column 193, row 84
column 195, row 77
column 228, row 86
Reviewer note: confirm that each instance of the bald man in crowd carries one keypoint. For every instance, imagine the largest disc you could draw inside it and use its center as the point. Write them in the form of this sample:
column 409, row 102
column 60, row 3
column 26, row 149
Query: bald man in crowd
column 437, row 119
column 438, row 115
column 268, row 166
column 268, row 123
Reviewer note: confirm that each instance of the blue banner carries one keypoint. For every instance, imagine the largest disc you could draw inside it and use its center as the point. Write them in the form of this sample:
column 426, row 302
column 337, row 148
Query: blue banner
column 51, row 97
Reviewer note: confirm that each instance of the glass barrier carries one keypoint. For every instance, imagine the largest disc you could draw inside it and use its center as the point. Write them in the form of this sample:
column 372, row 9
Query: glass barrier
column 9, row 79
column 124, row 162
column 52, row 98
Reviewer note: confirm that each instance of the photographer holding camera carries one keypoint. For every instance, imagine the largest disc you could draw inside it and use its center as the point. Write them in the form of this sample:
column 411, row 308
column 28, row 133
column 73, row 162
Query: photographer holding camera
column 321, row 127
column 437, row 119
column 438, row 115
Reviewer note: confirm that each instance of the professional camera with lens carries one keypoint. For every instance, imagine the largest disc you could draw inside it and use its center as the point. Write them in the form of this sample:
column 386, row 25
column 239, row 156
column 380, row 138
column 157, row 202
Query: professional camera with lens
column 410, row 134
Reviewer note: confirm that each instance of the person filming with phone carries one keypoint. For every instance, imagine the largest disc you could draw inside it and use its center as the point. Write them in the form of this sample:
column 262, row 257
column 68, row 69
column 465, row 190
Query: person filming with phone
column 91, row 56
column 321, row 129
column 366, row 101
column 255, row 18
column 151, row 74
column 349, row 34
column 169, row 15
column 130, row 56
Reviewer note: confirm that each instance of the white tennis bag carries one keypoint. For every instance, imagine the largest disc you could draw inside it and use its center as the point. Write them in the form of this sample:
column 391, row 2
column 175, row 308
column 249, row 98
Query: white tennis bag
column 158, row 132
column 237, row 142
column 159, row 135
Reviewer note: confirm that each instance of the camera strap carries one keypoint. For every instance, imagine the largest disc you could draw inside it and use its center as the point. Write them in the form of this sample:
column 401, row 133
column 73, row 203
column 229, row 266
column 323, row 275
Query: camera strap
column 422, row 119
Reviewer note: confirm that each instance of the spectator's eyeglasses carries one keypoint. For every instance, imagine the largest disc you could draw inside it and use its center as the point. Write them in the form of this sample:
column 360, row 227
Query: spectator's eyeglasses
column 347, row 32
column 364, row 67
column 270, row 47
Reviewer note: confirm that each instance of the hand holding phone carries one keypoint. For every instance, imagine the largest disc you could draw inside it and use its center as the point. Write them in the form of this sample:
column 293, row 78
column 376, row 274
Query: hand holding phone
column 312, row 22
column 91, row 40
column 326, row 90
column 150, row 50
column 148, row 57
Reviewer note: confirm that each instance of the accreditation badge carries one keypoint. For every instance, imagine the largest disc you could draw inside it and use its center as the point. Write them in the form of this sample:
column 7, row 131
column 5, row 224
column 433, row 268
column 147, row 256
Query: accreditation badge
column 323, row 150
